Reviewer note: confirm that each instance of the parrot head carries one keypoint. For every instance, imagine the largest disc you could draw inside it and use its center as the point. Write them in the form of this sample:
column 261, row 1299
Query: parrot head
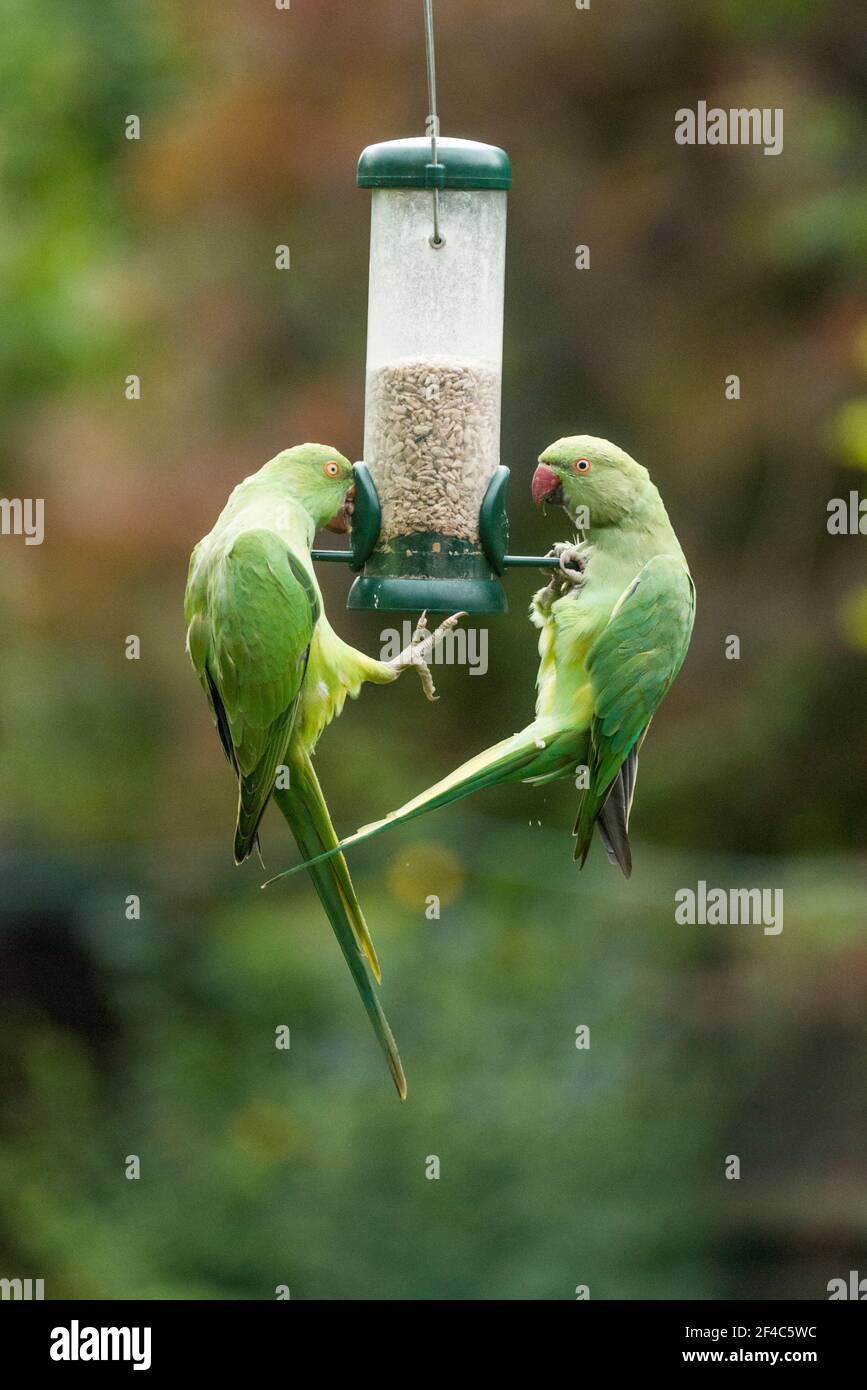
column 582, row 471
column 321, row 479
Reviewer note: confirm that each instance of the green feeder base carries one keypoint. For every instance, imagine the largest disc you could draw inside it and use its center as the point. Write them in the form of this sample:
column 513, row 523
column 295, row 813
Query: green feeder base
column 437, row 596
column 430, row 571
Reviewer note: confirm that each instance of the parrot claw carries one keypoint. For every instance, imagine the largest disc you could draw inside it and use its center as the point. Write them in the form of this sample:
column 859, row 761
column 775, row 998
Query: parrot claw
column 568, row 577
column 572, row 560
column 423, row 644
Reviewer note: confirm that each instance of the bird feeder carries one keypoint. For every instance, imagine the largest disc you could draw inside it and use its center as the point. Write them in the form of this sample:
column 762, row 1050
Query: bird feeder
column 430, row 528
column 434, row 373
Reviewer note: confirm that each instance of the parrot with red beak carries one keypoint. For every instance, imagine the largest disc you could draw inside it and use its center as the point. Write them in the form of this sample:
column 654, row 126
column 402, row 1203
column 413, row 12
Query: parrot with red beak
column 615, row 623
column 275, row 673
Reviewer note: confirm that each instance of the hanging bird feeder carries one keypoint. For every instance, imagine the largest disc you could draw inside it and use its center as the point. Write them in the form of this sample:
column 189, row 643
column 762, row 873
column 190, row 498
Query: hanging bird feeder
column 430, row 528
column 434, row 370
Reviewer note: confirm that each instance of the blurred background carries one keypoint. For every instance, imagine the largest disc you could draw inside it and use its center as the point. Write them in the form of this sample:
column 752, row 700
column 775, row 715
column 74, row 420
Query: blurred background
column 155, row 1037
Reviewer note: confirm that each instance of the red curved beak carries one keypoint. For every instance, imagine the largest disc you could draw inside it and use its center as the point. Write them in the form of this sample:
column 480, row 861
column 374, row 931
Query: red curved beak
column 342, row 522
column 545, row 484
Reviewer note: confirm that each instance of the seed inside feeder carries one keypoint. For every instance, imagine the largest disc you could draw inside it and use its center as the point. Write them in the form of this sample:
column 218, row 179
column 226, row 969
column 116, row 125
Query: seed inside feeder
column 432, row 440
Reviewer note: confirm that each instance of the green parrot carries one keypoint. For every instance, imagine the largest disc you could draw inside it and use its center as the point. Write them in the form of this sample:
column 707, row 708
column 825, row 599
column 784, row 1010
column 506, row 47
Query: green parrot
column 615, row 624
column 275, row 673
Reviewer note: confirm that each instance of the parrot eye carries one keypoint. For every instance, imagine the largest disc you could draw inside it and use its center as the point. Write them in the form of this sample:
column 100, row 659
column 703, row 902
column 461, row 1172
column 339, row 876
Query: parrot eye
column 332, row 469
column 582, row 465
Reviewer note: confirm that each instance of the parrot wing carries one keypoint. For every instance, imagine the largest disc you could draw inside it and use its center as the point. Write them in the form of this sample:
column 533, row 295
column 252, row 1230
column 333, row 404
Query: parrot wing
column 631, row 666
column 250, row 642
column 251, row 621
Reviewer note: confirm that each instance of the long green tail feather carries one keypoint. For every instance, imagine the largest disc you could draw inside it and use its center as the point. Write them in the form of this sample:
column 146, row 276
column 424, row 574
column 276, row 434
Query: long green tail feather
column 304, row 808
column 508, row 761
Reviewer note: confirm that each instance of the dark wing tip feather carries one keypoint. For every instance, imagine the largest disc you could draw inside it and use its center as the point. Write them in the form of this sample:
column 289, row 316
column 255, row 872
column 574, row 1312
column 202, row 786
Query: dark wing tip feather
column 247, row 844
column 612, row 822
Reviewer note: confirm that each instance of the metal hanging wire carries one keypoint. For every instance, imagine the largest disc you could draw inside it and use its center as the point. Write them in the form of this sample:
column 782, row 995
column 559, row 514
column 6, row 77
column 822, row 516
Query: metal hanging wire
column 437, row 240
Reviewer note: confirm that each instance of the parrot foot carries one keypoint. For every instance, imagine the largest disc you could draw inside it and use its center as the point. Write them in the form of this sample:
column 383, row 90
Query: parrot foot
column 573, row 562
column 422, row 646
column 568, row 577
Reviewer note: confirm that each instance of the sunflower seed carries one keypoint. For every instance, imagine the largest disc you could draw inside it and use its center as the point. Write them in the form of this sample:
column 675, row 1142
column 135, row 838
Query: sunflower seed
column 432, row 439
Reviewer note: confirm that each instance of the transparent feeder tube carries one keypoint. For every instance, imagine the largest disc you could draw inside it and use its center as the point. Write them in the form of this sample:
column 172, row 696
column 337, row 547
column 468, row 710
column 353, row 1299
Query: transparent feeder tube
column 434, row 358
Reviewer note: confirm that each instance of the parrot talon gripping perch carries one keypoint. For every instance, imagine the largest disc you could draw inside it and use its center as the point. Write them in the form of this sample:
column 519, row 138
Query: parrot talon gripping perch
column 572, row 561
column 568, row 577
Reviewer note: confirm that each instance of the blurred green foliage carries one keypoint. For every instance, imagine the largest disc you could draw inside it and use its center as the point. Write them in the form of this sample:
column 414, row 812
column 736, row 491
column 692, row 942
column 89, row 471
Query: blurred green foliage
column 156, row 257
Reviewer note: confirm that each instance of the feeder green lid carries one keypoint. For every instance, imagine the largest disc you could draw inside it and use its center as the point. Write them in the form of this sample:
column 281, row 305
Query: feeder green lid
column 460, row 164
